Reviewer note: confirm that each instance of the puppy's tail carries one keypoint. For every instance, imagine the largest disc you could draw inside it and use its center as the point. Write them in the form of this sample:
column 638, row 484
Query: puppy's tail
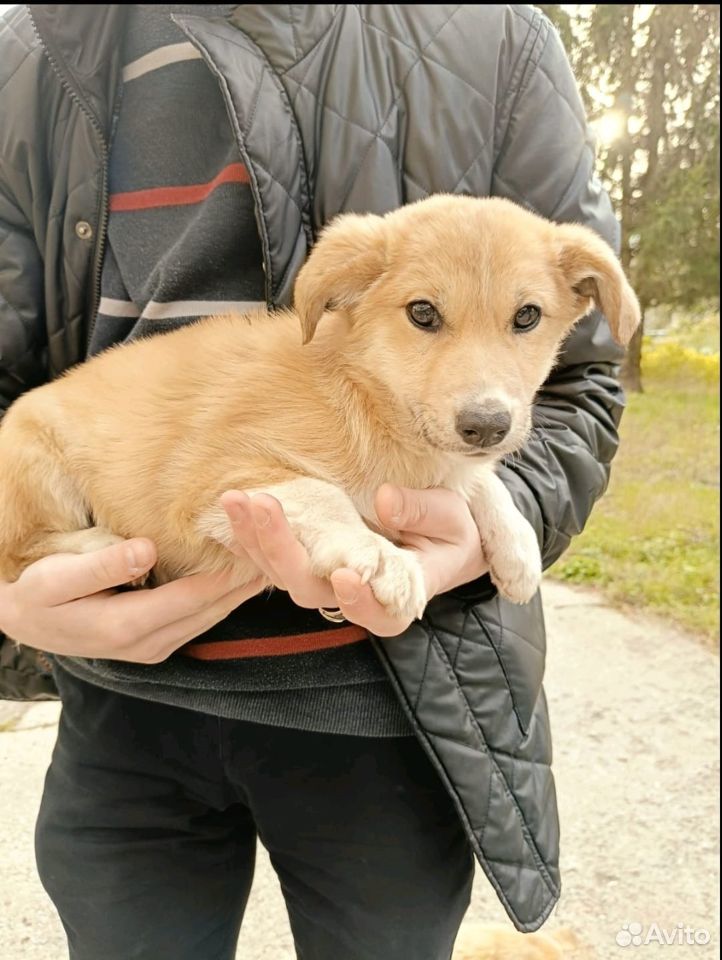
column 478, row 941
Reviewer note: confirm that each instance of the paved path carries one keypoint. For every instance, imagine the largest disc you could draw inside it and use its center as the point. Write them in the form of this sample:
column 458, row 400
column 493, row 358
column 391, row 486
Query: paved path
column 635, row 715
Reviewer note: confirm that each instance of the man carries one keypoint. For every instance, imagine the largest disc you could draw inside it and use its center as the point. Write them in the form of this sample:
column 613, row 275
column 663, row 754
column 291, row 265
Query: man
column 161, row 163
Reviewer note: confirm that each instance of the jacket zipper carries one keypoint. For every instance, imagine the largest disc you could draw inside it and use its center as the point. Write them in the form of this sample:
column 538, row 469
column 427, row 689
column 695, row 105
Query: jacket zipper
column 99, row 249
column 216, row 72
column 103, row 214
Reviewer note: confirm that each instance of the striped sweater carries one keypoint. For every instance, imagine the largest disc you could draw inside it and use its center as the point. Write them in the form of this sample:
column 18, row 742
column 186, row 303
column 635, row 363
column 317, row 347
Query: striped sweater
column 183, row 243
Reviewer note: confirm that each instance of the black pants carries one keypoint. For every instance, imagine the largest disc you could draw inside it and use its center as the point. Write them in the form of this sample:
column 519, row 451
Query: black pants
column 147, row 832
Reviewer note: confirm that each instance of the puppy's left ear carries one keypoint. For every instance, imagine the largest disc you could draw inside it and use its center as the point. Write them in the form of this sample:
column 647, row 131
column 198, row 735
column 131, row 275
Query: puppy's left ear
column 593, row 272
column 349, row 256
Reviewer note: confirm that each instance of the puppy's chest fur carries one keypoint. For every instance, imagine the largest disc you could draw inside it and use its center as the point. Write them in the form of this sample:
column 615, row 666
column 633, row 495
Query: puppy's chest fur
column 465, row 479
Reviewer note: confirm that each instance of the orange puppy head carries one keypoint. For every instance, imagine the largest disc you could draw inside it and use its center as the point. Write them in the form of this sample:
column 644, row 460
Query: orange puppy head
column 457, row 307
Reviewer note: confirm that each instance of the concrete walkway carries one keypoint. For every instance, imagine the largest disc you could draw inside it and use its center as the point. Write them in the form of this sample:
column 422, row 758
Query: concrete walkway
column 634, row 709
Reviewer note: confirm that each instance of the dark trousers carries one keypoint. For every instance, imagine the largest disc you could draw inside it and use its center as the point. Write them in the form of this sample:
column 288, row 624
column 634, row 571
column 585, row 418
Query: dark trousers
column 147, row 832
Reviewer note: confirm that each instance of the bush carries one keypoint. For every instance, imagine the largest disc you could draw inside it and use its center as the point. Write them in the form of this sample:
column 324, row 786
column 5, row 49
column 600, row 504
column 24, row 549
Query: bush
column 668, row 360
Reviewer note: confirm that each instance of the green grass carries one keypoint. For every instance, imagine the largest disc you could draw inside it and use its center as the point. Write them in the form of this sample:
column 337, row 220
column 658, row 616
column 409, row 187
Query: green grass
column 653, row 541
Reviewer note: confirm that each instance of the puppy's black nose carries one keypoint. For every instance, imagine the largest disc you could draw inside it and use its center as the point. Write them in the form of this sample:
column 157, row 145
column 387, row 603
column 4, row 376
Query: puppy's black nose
column 483, row 428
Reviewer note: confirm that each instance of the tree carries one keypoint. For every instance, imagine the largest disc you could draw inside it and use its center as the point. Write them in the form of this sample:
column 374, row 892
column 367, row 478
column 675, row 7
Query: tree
column 650, row 73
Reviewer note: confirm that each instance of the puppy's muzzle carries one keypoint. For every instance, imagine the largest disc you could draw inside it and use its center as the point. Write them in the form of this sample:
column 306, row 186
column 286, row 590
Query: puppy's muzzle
column 481, row 427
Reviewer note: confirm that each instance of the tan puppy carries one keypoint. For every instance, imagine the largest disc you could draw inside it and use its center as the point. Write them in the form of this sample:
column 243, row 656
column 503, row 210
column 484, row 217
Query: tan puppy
column 436, row 326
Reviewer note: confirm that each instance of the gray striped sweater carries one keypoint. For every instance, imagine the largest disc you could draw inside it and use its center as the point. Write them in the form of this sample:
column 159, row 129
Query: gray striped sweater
column 183, row 243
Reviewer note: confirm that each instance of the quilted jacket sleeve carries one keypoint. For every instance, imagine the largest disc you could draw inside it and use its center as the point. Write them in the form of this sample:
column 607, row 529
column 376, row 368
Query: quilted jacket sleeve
column 546, row 163
column 23, row 199
column 22, row 330
column 22, row 366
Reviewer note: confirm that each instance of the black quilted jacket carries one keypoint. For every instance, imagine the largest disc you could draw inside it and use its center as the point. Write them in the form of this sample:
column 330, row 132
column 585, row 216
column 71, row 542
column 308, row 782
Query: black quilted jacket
column 337, row 108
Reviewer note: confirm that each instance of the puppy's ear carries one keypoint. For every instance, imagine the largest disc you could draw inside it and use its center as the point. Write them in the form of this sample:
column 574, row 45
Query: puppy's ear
column 593, row 271
column 348, row 257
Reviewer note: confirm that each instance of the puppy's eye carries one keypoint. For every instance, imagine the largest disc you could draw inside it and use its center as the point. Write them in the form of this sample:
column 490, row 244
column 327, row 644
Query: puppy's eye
column 424, row 314
column 527, row 318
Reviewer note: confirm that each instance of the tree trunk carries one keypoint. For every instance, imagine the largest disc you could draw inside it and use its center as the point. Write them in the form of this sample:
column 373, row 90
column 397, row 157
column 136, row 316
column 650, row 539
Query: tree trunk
column 631, row 372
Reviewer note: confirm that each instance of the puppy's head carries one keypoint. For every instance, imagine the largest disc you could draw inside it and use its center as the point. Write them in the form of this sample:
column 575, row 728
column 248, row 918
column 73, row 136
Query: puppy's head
column 457, row 307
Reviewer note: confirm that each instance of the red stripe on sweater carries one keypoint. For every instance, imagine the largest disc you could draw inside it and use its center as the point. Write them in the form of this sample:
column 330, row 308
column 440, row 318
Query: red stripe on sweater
column 176, row 196
column 274, row 646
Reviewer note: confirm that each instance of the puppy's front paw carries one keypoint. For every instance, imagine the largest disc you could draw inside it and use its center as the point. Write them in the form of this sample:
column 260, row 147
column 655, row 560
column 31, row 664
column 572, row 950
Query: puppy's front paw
column 394, row 575
column 399, row 585
column 515, row 562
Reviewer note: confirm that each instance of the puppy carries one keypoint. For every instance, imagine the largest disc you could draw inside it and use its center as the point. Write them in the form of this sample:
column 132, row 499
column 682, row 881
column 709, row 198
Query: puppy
column 414, row 352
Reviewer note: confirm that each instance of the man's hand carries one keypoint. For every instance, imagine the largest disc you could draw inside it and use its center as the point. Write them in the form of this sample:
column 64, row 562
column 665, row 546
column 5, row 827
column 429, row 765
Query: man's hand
column 66, row 604
column 436, row 525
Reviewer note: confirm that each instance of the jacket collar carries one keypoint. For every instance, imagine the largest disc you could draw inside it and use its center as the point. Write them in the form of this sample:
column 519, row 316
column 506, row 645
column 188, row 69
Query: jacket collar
column 285, row 32
column 269, row 139
column 84, row 45
column 84, row 42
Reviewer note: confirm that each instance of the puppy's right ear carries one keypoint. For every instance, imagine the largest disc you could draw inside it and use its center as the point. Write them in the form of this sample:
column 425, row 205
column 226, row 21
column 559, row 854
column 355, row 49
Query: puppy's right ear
column 349, row 256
